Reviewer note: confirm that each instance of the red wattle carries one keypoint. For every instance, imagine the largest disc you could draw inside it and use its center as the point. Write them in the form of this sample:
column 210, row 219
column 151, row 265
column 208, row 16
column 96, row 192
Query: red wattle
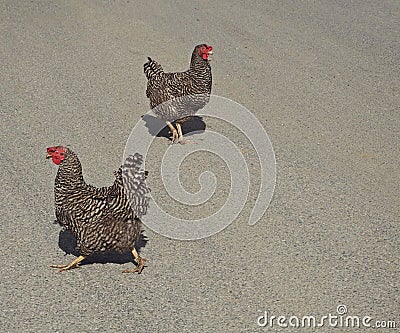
column 56, row 160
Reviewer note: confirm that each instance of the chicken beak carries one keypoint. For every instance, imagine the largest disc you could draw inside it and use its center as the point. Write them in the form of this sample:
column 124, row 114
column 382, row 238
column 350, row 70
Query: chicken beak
column 48, row 156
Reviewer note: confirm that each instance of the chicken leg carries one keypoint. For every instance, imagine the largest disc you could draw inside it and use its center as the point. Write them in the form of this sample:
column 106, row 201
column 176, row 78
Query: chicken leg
column 180, row 134
column 173, row 131
column 181, row 140
column 71, row 265
column 140, row 261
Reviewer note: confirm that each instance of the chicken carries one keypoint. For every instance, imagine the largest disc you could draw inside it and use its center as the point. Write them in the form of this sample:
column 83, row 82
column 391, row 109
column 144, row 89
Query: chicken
column 175, row 97
column 103, row 218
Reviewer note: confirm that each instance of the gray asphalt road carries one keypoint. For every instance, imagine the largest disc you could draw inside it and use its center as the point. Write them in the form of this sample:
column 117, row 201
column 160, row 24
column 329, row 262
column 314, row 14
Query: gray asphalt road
column 323, row 79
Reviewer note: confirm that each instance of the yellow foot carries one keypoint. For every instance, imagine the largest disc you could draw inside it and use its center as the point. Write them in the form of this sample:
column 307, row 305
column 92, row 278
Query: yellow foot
column 139, row 268
column 174, row 137
column 65, row 267
column 181, row 140
column 73, row 264
column 174, row 132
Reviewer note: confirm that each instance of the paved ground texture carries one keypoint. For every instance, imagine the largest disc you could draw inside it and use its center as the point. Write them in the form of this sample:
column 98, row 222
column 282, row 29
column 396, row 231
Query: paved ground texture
column 322, row 77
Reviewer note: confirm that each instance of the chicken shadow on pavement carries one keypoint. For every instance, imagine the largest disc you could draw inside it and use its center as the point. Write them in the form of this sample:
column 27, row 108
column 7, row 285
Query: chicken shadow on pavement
column 67, row 243
column 152, row 123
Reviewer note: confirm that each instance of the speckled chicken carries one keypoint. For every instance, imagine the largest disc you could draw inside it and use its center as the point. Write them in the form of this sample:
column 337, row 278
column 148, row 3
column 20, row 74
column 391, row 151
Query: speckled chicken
column 175, row 97
column 100, row 218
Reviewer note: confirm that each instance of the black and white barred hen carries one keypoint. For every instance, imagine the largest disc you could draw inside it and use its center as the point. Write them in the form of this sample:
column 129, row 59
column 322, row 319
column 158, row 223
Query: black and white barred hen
column 100, row 218
column 174, row 97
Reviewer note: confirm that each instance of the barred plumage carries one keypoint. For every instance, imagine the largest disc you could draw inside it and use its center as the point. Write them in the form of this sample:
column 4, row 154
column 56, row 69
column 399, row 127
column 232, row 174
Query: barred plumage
column 100, row 218
column 174, row 97
column 134, row 183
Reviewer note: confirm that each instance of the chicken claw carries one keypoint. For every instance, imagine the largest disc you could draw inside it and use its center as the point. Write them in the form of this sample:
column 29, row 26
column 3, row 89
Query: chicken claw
column 175, row 137
column 181, row 140
column 71, row 265
column 173, row 131
column 140, row 263
column 139, row 267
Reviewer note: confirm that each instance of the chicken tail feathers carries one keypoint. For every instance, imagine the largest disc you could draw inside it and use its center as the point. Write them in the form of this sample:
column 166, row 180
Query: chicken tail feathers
column 134, row 180
column 152, row 69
